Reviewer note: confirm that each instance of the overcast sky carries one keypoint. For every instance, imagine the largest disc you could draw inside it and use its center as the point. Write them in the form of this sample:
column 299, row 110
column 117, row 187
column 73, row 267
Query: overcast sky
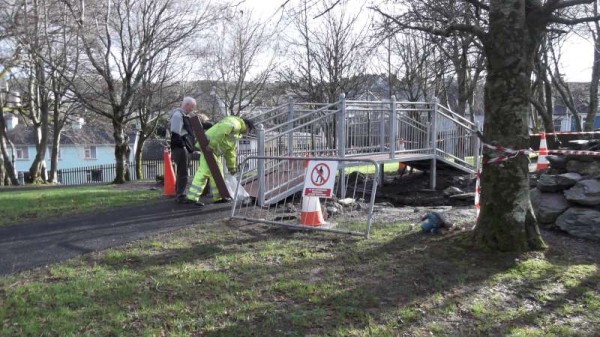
column 577, row 52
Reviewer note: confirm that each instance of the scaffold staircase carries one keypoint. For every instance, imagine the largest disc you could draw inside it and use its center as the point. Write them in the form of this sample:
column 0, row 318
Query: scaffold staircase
column 422, row 133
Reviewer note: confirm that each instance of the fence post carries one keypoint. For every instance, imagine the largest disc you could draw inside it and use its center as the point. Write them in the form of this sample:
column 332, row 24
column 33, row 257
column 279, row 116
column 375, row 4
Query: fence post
column 476, row 148
column 382, row 132
column 393, row 128
column 433, row 130
column 341, row 141
column 260, row 167
column 290, row 119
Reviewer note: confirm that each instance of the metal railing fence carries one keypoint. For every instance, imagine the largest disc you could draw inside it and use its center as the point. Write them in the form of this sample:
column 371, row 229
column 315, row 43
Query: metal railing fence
column 348, row 210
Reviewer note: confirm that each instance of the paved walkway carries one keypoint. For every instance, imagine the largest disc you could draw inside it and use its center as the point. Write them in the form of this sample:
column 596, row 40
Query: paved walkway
column 30, row 245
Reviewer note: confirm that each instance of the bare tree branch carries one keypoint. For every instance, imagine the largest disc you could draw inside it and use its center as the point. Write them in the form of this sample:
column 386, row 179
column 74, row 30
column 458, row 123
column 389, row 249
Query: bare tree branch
column 571, row 22
column 328, row 9
column 445, row 32
column 478, row 4
column 557, row 4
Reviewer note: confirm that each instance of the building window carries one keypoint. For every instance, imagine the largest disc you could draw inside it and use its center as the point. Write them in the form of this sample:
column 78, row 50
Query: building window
column 557, row 124
column 22, row 152
column 58, row 156
column 89, row 152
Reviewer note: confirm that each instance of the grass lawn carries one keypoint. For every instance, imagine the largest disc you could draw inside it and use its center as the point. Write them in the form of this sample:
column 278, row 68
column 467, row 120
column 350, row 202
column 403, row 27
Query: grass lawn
column 19, row 206
column 234, row 279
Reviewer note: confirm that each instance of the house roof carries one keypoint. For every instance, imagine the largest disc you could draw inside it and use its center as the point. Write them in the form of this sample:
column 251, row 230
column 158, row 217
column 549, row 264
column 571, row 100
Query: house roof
column 87, row 135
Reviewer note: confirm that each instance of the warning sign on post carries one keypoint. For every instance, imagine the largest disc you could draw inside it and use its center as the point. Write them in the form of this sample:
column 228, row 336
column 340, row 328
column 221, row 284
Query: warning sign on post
column 319, row 179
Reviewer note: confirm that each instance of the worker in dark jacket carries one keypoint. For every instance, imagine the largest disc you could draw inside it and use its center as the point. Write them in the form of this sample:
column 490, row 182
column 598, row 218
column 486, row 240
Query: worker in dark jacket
column 181, row 136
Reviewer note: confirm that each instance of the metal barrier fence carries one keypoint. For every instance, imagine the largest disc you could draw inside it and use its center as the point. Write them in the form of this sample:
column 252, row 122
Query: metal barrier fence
column 348, row 209
column 151, row 169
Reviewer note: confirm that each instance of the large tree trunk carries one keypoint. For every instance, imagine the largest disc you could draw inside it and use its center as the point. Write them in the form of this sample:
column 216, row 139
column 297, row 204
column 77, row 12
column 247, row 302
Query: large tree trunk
column 506, row 222
column 121, row 151
column 9, row 166
column 9, row 175
column 39, row 100
column 138, row 156
column 593, row 107
column 53, row 175
column 57, row 125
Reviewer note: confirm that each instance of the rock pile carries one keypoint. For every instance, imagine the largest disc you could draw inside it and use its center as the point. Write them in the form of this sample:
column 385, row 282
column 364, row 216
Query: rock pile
column 567, row 196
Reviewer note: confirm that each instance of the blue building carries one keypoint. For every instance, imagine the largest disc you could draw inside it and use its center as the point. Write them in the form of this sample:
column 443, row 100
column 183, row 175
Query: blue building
column 81, row 145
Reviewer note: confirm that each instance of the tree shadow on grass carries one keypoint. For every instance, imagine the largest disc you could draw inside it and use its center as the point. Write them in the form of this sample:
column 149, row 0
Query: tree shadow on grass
column 271, row 281
column 325, row 283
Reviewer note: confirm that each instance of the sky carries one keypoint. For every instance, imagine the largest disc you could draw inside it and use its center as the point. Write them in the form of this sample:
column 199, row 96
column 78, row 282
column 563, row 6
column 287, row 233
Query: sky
column 577, row 52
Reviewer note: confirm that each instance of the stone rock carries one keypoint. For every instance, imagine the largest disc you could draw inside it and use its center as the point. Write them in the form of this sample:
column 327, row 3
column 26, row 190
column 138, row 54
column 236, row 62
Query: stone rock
column 585, row 168
column 548, row 206
column 555, row 183
column 452, row 190
column 568, row 180
column 346, row 201
column 557, row 162
column 464, row 196
column 581, row 222
column 585, row 192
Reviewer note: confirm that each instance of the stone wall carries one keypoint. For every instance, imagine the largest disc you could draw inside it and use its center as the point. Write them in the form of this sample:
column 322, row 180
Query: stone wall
column 567, row 196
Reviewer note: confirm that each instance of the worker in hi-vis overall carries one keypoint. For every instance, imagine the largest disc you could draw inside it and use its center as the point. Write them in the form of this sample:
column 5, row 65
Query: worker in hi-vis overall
column 222, row 141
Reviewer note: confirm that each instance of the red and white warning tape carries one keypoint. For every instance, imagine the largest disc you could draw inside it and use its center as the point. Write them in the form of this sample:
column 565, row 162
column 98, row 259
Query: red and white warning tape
column 506, row 153
column 566, row 133
column 575, row 152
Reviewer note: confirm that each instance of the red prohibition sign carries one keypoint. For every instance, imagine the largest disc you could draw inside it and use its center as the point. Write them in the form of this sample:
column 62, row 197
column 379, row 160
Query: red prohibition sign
column 320, row 174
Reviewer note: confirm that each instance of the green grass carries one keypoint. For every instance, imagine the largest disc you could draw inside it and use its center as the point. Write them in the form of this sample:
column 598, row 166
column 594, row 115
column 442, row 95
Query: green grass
column 234, row 279
column 43, row 202
column 370, row 168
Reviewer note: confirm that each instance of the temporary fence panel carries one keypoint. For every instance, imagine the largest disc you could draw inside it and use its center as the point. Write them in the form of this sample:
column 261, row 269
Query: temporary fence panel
column 349, row 208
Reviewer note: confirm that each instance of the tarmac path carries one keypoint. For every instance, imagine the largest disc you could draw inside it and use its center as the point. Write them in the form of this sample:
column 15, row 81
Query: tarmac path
column 29, row 245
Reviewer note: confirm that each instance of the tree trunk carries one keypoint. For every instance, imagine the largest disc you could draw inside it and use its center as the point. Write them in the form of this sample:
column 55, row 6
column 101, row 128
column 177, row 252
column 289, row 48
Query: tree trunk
column 57, row 125
column 121, row 150
column 8, row 169
column 8, row 163
column 138, row 156
column 53, row 175
column 39, row 101
column 506, row 222
column 593, row 107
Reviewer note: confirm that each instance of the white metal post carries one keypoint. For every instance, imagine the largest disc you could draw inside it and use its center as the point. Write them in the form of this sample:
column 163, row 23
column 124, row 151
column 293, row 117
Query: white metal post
column 433, row 130
column 290, row 125
column 260, row 168
column 393, row 128
column 341, row 142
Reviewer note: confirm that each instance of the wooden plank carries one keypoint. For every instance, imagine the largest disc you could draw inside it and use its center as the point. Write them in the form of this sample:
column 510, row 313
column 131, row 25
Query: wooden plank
column 209, row 157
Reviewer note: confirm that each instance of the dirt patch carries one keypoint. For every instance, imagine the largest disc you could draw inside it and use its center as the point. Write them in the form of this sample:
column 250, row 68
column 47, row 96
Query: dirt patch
column 413, row 189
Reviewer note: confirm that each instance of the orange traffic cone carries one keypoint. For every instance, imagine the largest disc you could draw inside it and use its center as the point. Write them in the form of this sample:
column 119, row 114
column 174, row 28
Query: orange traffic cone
column 169, row 181
column 542, row 162
column 311, row 214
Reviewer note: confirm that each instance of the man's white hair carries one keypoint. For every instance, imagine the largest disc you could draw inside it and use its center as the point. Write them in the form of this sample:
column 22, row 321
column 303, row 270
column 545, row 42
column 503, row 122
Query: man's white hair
column 188, row 100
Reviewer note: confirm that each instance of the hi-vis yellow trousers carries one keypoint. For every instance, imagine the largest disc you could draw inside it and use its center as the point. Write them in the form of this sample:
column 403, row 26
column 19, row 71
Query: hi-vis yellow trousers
column 200, row 178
